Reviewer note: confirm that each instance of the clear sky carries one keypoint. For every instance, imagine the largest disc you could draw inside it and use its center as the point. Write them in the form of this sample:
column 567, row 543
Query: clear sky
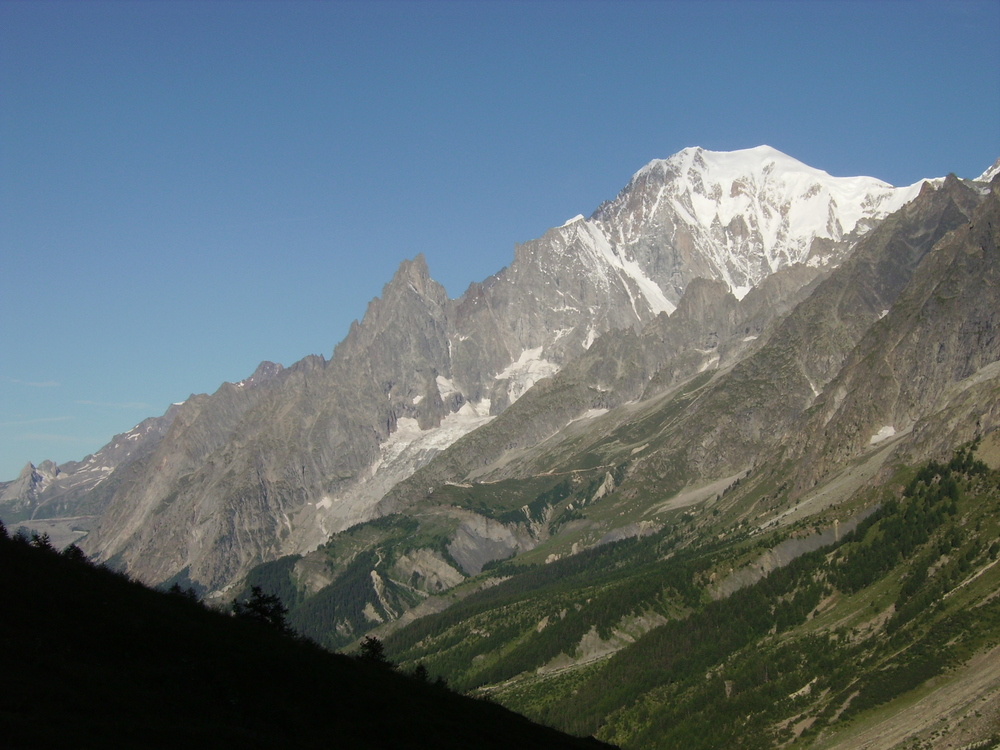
column 188, row 188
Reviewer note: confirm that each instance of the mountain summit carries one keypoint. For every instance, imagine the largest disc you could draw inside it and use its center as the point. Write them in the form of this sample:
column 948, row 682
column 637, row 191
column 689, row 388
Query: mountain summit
column 739, row 216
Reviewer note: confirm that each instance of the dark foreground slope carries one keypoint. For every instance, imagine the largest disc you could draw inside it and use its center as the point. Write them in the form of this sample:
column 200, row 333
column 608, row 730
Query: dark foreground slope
column 95, row 660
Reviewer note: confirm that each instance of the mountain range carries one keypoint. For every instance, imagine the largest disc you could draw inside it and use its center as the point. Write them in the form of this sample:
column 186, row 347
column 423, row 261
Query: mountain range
column 281, row 460
column 737, row 351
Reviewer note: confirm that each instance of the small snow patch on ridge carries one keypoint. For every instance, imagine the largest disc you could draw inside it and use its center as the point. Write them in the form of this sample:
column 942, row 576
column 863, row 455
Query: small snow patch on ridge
column 526, row 371
column 884, row 434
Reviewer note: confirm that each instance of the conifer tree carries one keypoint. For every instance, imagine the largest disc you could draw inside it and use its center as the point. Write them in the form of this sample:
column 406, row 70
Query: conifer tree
column 263, row 608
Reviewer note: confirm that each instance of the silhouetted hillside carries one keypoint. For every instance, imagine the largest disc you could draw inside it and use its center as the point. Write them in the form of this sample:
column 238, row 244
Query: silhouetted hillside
column 93, row 659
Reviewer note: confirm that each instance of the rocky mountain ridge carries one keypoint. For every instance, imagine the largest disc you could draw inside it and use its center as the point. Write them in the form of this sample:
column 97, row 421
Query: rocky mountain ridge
column 762, row 388
column 48, row 490
column 241, row 478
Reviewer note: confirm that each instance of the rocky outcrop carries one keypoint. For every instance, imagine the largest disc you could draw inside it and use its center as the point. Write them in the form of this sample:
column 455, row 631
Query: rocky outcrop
column 426, row 570
column 479, row 540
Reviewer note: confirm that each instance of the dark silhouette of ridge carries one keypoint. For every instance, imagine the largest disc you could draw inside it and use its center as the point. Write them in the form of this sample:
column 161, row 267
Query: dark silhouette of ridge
column 94, row 659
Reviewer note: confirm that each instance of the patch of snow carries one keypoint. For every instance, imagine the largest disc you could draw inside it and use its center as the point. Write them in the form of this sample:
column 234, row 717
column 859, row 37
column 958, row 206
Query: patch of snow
column 529, row 368
column 749, row 175
column 409, row 440
column 589, row 414
column 596, row 244
column 883, row 314
column 884, row 434
column 417, row 399
column 740, row 291
column 446, row 387
column 749, row 338
column 812, row 387
column 578, row 217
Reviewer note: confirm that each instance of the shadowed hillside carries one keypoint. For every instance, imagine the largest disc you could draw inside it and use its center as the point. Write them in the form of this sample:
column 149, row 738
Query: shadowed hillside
column 96, row 660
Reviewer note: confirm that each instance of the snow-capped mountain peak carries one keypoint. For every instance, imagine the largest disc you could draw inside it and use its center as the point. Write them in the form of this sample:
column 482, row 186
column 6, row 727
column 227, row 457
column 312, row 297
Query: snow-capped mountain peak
column 735, row 217
column 746, row 213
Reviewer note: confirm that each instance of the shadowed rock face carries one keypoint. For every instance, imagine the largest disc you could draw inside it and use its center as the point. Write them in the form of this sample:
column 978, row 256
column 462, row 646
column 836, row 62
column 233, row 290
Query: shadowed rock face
column 479, row 540
column 274, row 464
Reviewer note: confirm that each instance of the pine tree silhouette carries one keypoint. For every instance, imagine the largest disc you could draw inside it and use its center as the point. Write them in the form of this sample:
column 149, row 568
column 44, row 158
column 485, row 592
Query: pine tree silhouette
column 264, row 608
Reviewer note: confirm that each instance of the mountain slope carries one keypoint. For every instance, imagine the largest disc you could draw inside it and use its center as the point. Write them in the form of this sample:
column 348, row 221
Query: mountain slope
column 807, row 654
column 740, row 216
column 774, row 385
column 938, row 340
column 48, row 490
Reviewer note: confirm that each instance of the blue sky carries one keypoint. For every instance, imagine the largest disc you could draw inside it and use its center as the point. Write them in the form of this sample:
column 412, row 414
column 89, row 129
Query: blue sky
column 188, row 188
